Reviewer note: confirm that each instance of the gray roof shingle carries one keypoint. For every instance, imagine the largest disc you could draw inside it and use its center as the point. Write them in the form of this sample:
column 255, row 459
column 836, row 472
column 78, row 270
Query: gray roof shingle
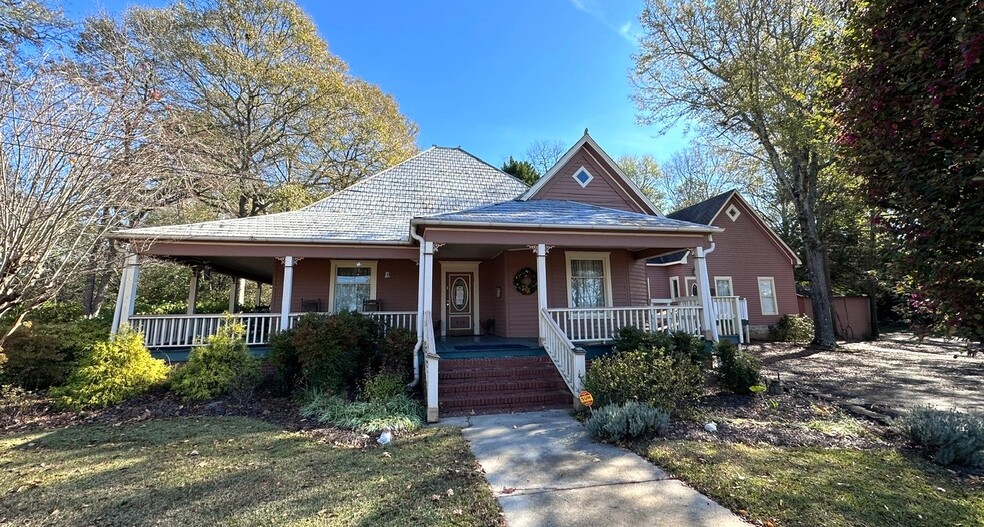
column 704, row 211
column 375, row 209
column 558, row 213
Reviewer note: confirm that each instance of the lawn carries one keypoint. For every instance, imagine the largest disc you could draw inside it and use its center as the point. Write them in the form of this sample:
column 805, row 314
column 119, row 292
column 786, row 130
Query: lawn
column 236, row 471
column 833, row 487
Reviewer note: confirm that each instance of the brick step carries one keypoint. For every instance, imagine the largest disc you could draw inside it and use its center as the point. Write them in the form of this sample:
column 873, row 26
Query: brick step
column 505, row 402
column 456, row 387
column 498, row 374
column 510, row 362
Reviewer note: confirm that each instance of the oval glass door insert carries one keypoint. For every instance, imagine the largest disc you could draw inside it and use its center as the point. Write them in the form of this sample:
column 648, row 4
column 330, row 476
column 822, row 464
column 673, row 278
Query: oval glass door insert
column 459, row 294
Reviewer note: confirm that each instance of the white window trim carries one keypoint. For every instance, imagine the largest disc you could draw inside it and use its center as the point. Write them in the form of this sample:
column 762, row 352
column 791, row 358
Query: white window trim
column 688, row 283
column 586, row 171
column 775, row 297
column 335, row 264
column 675, row 280
column 731, row 285
column 737, row 213
column 605, row 257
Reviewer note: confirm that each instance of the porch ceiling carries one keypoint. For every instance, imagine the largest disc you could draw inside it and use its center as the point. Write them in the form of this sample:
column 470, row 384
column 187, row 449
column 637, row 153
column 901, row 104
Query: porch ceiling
column 258, row 269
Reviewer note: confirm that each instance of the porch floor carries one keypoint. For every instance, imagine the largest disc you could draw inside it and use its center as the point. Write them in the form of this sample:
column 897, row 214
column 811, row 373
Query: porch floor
column 493, row 347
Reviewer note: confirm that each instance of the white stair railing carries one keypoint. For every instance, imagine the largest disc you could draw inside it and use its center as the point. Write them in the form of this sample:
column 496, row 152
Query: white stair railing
column 728, row 314
column 568, row 359
column 431, row 371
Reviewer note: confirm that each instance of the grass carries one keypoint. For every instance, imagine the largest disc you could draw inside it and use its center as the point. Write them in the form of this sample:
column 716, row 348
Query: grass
column 816, row 486
column 236, row 471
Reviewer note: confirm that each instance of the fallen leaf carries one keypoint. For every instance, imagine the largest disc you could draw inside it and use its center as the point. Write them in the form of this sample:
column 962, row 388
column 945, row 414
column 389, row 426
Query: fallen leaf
column 450, row 492
column 508, row 490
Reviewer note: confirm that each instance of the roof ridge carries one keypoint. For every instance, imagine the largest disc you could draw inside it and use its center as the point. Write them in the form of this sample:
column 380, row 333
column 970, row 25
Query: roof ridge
column 699, row 203
column 497, row 169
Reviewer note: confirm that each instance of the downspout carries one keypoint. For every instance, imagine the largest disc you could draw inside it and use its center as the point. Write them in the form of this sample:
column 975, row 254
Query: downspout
column 420, row 311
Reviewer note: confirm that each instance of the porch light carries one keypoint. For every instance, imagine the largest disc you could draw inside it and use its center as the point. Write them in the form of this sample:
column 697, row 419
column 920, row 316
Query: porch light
column 498, row 291
column 358, row 264
column 386, row 274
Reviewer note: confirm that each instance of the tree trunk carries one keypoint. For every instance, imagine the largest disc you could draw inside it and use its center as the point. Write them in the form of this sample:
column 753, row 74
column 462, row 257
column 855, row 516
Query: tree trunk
column 815, row 253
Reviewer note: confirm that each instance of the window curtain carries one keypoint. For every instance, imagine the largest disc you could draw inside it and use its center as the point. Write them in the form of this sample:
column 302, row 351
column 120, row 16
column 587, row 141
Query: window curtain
column 352, row 287
column 587, row 283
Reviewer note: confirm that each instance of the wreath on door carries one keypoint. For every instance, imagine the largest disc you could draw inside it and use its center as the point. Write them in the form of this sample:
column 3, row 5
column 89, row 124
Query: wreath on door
column 525, row 281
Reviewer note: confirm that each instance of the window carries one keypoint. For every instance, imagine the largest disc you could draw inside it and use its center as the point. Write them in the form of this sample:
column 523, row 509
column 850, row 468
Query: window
column 692, row 288
column 583, row 177
column 589, row 280
column 675, row 287
column 353, row 282
column 767, row 295
column 733, row 212
column 722, row 286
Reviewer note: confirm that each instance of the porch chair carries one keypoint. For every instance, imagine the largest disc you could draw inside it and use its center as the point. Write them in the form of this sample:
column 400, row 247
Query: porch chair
column 371, row 305
column 311, row 306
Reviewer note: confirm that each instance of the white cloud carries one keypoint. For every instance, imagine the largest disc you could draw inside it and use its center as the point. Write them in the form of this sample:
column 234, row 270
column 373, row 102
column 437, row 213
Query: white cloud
column 593, row 9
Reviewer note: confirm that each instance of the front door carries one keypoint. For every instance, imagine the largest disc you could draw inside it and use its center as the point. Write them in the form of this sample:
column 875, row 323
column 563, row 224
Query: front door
column 459, row 303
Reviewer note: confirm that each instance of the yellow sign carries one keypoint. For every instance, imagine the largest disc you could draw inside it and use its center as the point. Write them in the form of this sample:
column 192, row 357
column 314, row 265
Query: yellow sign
column 586, row 398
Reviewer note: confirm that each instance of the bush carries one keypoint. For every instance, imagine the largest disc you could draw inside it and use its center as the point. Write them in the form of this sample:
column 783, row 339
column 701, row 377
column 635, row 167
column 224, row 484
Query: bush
column 41, row 355
column 398, row 413
column 396, row 352
column 222, row 366
column 284, row 356
column 631, row 338
column 330, row 352
column 383, row 386
column 669, row 382
column 792, row 328
column 111, row 372
column 738, row 371
column 629, row 421
column 947, row 437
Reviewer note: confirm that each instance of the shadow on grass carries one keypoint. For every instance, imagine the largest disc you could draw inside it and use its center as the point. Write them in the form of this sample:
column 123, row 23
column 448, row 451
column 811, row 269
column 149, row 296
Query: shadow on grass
column 237, row 471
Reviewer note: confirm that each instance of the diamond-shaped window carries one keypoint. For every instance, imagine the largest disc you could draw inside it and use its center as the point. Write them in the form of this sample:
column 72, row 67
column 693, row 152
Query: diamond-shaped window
column 733, row 213
column 583, row 177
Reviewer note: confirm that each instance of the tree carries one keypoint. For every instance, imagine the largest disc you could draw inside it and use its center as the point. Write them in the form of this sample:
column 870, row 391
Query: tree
column 62, row 188
column 645, row 172
column 912, row 120
column 521, row 169
column 545, row 154
column 702, row 171
column 259, row 87
column 758, row 71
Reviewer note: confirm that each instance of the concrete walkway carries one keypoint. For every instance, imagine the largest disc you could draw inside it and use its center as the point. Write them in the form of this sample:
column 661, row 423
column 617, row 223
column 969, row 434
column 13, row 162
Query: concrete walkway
column 546, row 471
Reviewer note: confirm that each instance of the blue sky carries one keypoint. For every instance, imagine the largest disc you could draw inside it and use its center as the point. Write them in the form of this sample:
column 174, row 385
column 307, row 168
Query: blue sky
column 492, row 76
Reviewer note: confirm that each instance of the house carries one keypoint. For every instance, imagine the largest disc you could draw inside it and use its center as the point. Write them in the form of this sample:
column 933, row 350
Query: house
column 483, row 267
column 749, row 260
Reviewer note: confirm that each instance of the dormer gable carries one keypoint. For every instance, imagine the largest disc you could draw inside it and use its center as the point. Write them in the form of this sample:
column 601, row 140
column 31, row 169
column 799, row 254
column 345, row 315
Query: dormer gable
column 586, row 174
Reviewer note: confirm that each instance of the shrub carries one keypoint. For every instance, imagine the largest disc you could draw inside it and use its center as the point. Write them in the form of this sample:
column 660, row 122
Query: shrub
column 41, row 355
column 399, row 413
column 629, row 421
column 655, row 377
column 631, row 338
column 396, row 352
column 222, row 366
column 738, row 371
column 792, row 328
column 112, row 371
column 383, row 386
column 947, row 437
column 334, row 352
column 284, row 356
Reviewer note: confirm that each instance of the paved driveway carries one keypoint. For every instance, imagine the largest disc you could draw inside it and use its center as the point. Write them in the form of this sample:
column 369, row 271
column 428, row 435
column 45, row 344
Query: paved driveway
column 894, row 374
column 546, row 471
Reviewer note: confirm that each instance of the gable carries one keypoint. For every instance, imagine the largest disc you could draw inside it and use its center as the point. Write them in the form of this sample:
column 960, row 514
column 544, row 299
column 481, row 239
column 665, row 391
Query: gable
column 600, row 181
column 749, row 227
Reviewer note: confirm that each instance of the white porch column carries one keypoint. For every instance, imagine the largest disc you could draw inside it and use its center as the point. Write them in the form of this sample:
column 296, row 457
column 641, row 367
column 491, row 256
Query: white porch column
column 286, row 292
column 704, row 290
column 420, row 293
column 193, row 291
column 259, row 294
column 541, row 286
column 233, row 294
column 127, row 297
column 428, row 283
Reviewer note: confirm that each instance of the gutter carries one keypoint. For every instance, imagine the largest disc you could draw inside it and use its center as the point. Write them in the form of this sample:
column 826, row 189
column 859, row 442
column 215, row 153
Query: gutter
column 122, row 235
column 420, row 314
column 627, row 228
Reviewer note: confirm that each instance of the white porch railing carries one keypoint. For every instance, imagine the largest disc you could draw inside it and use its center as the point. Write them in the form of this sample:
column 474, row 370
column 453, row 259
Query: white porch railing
column 179, row 331
column 568, row 358
column 601, row 324
column 727, row 313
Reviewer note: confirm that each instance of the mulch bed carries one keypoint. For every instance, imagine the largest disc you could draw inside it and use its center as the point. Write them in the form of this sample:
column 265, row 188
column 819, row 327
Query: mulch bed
column 791, row 419
column 33, row 412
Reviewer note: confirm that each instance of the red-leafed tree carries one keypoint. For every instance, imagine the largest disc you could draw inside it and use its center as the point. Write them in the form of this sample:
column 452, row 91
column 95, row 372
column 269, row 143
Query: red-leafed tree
column 912, row 118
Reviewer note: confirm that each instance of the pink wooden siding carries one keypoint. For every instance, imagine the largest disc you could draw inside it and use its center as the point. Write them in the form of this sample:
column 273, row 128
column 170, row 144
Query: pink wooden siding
column 745, row 251
column 852, row 315
column 492, row 275
column 606, row 189
column 312, row 281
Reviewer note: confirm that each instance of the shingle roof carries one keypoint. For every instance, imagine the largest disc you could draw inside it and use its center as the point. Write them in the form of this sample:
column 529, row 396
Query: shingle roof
column 704, row 211
column 375, row 209
column 556, row 213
